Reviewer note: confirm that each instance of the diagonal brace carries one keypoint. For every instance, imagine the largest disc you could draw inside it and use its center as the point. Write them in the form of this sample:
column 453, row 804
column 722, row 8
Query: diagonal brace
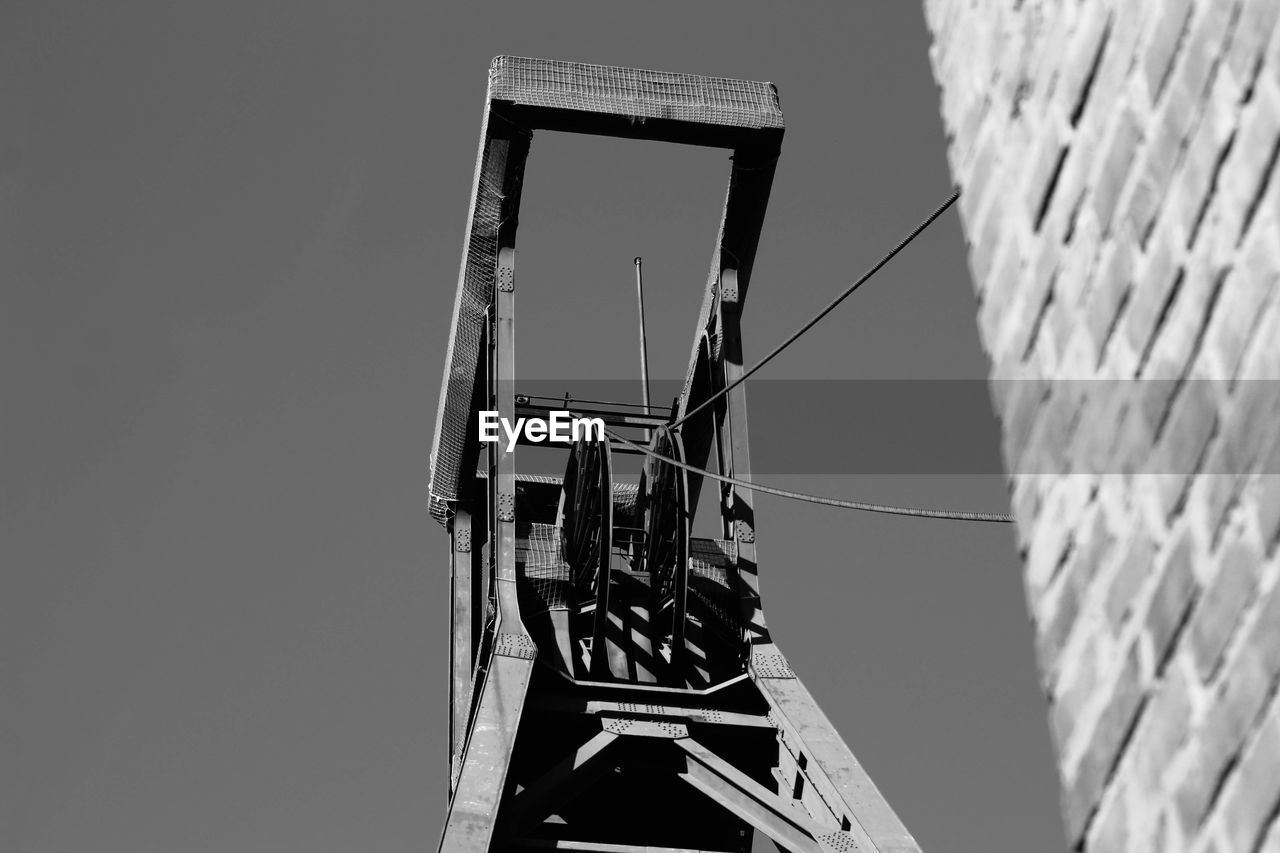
column 748, row 799
column 582, row 765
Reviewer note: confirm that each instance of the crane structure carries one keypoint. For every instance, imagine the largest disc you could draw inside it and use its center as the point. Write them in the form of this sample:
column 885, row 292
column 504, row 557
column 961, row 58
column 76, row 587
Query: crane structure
column 613, row 682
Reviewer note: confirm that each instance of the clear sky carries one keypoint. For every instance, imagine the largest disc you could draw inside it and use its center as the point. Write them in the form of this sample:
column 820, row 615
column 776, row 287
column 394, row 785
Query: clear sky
column 229, row 238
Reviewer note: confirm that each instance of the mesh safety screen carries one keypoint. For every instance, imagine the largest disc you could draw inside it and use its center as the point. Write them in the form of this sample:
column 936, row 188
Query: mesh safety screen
column 624, row 503
column 709, row 562
column 711, row 558
column 495, row 194
column 544, row 572
column 634, row 92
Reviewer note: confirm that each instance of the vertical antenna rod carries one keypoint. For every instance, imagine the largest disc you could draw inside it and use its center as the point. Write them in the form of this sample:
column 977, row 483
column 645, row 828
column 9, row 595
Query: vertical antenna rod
column 644, row 346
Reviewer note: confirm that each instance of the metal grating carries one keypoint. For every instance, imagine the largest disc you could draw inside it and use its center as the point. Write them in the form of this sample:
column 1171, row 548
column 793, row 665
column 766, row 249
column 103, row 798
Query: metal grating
column 495, row 191
column 723, row 617
column 711, row 559
column 544, row 572
column 634, row 92
column 625, row 496
column 709, row 563
column 545, row 479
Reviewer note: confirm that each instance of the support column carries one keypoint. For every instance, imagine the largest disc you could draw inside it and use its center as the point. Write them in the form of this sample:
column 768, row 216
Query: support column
column 461, row 662
column 504, row 679
column 736, row 460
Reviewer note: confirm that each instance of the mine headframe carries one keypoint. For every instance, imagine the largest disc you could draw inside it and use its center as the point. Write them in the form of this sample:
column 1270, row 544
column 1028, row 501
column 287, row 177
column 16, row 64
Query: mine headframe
column 614, row 685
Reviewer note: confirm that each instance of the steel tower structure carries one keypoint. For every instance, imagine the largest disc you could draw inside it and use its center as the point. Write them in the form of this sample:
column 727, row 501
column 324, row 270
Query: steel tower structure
column 614, row 684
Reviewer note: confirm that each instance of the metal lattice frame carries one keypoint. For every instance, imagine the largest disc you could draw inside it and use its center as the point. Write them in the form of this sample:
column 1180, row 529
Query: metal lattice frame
column 530, row 740
column 528, row 94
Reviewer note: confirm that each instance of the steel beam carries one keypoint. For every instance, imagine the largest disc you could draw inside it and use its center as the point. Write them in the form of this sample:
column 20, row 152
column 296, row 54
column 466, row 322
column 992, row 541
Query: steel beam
column 737, row 459
column 680, row 585
column 473, row 811
column 612, row 417
column 614, row 446
column 668, row 710
column 598, row 665
column 750, row 801
column 832, row 767
column 599, row 847
column 535, row 802
column 461, row 663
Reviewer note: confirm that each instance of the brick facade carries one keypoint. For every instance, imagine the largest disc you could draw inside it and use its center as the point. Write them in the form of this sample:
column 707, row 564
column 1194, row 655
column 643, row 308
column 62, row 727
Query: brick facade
column 1122, row 210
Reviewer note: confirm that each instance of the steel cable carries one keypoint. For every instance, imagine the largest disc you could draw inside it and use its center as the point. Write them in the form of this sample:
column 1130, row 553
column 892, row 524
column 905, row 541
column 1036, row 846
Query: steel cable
column 824, row 312
column 887, row 509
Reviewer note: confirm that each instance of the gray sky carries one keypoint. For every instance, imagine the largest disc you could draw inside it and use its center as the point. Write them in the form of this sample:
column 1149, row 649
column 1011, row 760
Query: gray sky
column 229, row 238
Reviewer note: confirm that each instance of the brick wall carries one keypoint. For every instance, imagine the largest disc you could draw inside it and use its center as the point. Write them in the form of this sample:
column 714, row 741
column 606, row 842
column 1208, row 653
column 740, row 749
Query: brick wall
column 1117, row 160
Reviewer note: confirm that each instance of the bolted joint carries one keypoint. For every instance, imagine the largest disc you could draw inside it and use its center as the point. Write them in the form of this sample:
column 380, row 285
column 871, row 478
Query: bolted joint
column 506, row 506
column 506, row 278
column 512, row 645
column 729, row 286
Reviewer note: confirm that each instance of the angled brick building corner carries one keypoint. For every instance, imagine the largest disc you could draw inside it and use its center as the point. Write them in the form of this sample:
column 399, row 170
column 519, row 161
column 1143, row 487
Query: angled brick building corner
column 1122, row 210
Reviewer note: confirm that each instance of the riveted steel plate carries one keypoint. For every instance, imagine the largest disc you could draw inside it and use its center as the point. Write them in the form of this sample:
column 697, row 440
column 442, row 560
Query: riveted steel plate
column 645, row 728
column 506, row 279
column 506, row 506
column 838, row 842
column 515, row 646
column 771, row 665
